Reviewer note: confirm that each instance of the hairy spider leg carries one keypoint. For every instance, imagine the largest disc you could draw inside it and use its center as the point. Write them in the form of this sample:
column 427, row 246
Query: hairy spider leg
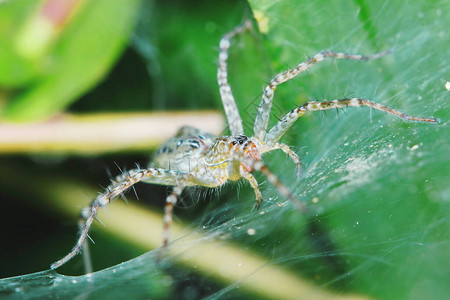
column 229, row 105
column 254, row 184
column 118, row 186
column 88, row 214
column 284, row 190
column 286, row 122
column 288, row 151
column 171, row 200
column 87, row 262
column 262, row 117
column 258, row 165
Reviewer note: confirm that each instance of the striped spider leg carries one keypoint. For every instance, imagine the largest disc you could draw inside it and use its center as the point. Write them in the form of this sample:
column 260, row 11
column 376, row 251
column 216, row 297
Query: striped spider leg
column 262, row 117
column 117, row 187
column 196, row 158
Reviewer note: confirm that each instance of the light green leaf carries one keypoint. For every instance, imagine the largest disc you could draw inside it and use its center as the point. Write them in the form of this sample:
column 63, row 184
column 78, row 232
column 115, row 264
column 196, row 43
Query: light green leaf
column 70, row 61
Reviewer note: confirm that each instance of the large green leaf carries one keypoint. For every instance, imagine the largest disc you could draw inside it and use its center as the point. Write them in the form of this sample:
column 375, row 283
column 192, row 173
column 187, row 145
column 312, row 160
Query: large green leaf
column 376, row 187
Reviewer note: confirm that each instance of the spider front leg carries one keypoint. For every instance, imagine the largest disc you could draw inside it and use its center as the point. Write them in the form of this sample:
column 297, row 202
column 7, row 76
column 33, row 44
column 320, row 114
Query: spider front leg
column 262, row 117
column 116, row 188
column 250, row 163
column 229, row 104
column 285, row 148
column 286, row 122
column 254, row 184
column 88, row 214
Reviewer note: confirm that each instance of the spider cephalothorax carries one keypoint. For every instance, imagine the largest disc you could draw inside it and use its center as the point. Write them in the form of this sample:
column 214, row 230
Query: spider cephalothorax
column 227, row 152
column 195, row 158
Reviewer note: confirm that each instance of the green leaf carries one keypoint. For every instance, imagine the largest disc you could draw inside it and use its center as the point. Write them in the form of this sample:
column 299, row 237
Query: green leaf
column 378, row 185
column 70, row 61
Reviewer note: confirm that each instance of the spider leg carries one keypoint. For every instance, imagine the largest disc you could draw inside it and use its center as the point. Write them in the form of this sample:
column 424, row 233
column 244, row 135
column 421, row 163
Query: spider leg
column 251, row 179
column 229, row 105
column 258, row 165
column 262, row 117
column 285, row 148
column 88, row 214
column 119, row 185
column 171, row 200
column 286, row 122
column 86, row 253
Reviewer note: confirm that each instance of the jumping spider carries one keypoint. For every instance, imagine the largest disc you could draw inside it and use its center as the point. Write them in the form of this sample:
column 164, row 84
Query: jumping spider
column 196, row 158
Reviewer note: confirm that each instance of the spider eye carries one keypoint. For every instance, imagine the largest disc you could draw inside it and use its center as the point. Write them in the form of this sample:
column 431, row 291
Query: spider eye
column 234, row 143
column 241, row 142
column 194, row 144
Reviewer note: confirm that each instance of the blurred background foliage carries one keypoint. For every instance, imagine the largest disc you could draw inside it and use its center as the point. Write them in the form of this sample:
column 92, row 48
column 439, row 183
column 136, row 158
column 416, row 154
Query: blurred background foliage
column 376, row 187
column 51, row 55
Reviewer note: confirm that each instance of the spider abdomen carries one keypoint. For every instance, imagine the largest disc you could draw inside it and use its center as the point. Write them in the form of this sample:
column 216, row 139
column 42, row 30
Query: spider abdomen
column 184, row 151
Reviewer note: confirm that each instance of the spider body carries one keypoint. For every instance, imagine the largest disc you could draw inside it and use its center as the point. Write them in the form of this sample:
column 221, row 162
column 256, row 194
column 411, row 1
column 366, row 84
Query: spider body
column 195, row 158
column 209, row 162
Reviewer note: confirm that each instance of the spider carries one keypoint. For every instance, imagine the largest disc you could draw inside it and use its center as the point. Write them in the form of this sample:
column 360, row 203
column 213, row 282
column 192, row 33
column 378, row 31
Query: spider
column 195, row 158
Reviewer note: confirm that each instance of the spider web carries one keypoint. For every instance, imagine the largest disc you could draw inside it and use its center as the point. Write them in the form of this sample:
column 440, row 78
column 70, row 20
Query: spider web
column 376, row 187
